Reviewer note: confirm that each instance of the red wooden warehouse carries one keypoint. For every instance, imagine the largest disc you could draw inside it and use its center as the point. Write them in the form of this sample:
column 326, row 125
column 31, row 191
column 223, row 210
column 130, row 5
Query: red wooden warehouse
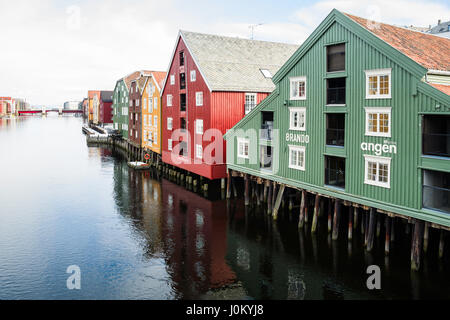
column 213, row 81
column 106, row 99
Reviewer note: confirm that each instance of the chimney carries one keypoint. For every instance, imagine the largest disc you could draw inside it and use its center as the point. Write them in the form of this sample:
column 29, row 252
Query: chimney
column 439, row 21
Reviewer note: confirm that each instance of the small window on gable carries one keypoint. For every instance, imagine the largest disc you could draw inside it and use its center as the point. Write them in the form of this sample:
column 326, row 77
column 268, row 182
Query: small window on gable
column 169, row 144
column 199, row 98
column 298, row 88
column 172, row 79
column 378, row 84
column 199, row 126
column 378, row 122
column 336, row 57
column 169, row 123
column 193, row 76
column 250, row 102
column 182, row 58
column 297, row 119
column 243, row 148
column 169, row 100
column 199, row 151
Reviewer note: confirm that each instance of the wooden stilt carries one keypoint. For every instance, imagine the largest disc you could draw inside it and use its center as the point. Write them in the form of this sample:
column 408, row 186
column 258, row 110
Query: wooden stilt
column 363, row 223
column 246, row 192
column 337, row 214
column 316, row 214
column 330, row 219
column 393, row 229
column 258, row 194
column 321, row 208
column 355, row 218
column 350, row 223
column 441, row 244
column 274, row 195
column 229, row 177
column 306, row 208
column 301, row 220
column 278, row 201
column 378, row 225
column 425, row 237
column 233, row 184
column 266, row 191
column 416, row 245
column 387, row 241
column 366, row 228
column 269, row 198
column 371, row 229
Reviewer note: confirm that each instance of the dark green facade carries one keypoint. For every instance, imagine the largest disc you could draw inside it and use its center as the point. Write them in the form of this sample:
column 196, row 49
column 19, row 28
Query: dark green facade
column 120, row 108
column 411, row 102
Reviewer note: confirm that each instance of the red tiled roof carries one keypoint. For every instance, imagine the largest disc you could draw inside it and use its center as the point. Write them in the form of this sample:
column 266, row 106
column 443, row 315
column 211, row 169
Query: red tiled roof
column 442, row 87
column 432, row 52
column 159, row 77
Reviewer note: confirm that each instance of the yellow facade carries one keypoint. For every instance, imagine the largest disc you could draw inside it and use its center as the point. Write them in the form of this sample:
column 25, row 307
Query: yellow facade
column 151, row 116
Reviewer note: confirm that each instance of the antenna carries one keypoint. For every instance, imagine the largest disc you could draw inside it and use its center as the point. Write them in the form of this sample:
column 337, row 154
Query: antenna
column 253, row 28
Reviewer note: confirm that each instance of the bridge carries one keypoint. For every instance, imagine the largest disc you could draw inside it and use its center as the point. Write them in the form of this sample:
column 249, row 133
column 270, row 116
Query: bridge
column 60, row 111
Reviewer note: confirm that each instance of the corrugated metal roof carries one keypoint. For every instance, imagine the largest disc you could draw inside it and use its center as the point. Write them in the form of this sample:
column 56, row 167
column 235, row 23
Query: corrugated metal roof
column 430, row 51
column 234, row 64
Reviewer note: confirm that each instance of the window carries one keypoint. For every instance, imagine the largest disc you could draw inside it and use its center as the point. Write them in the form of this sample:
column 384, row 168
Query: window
column 181, row 58
column 297, row 119
column 199, row 126
column 297, row 157
column 155, row 103
column 266, row 125
column 335, row 129
column 377, row 171
column 183, row 102
column 266, row 73
column 145, row 119
column 183, row 124
column 336, row 58
column 198, row 151
column 172, row 79
column 199, row 99
column 137, row 102
column 378, row 122
column 436, row 135
column 150, row 120
column 169, row 123
column 378, row 84
column 150, row 138
column 193, row 76
column 169, row 144
column 155, row 121
column 250, row 102
column 298, row 88
column 182, row 81
column 155, row 138
column 436, row 190
column 145, row 103
column 150, row 105
column 243, row 148
column 336, row 91
column 335, row 172
column 169, row 100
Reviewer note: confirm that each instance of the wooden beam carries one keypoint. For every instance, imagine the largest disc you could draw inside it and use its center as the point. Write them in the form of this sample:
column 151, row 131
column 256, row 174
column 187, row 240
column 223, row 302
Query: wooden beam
column 441, row 244
column 371, row 229
column 301, row 219
column 350, row 223
column 316, row 214
column 337, row 216
column 330, row 219
column 229, row 177
column 269, row 198
column 387, row 240
column 416, row 245
column 278, row 202
column 246, row 192
column 425, row 237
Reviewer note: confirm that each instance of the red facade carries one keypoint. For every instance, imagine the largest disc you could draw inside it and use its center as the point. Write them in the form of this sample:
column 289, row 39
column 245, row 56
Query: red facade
column 134, row 115
column 220, row 110
column 105, row 112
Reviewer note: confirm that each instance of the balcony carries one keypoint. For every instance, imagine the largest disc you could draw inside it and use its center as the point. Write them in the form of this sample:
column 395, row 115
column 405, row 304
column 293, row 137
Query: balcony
column 436, row 191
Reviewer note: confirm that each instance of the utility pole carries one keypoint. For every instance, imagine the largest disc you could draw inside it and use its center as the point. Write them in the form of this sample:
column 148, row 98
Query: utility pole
column 253, row 28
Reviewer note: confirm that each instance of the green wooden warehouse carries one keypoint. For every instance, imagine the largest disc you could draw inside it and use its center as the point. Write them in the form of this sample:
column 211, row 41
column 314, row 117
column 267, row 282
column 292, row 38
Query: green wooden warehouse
column 360, row 115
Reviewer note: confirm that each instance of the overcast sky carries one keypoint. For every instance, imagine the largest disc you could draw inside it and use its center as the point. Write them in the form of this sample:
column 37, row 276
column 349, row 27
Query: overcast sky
column 54, row 51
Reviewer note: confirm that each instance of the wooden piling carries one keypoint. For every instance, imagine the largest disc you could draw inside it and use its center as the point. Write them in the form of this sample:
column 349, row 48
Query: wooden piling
column 371, row 229
column 316, row 214
column 366, row 228
column 441, row 244
column 378, row 225
column 246, row 192
column 416, row 245
column 387, row 240
column 301, row 219
column 350, row 223
column 229, row 177
column 330, row 220
column 337, row 214
column 425, row 237
column 393, row 229
column 278, row 201
column 269, row 198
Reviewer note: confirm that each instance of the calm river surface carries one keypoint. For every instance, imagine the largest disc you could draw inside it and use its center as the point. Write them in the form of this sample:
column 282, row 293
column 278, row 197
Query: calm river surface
column 137, row 236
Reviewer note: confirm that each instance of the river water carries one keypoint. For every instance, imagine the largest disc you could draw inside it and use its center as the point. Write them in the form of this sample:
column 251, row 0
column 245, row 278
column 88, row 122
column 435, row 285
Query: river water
column 135, row 235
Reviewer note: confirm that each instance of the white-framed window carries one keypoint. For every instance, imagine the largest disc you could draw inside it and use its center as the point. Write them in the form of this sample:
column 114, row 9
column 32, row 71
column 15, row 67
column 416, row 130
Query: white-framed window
column 297, row 157
column 125, row 111
column 193, row 76
column 169, row 100
column 199, row 99
column 155, row 121
column 250, row 102
column 378, row 84
column 131, row 103
column 199, row 126
column 169, row 123
column 125, row 127
column 155, row 139
column 155, row 103
column 150, row 138
column 145, row 104
column 243, row 148
column 150, row 105
column 137, row 117
column 145, row 119
column 131, row 132
column 377, row 171
column 172, row 79
column 169, row 144
column 378, row 121
column 298, row 88
column 135, row 134
column 297, row 119
column 137, row 102
column 199, row 151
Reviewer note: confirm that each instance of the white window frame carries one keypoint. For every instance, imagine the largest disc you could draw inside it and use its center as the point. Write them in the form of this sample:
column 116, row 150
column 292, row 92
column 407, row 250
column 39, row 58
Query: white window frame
column 378, row 73
column 169, row 123
column 155, row 121
column 243, row 141
column 169, row 100
column 250, row 94
column 378, row 111
column 378, row 160
column 155, row 103
column 193, row 76
column 197, row 122
column 291, row 118
column 298, row 149
column 169, row 144
column 198, row 97
column 150, row 105
column 199, row 151
column 296, row 80
column 145, row 104
column 172, row 79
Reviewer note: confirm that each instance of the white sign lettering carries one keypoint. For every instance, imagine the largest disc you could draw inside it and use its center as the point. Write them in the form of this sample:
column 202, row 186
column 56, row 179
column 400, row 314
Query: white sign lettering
column 295, row 137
